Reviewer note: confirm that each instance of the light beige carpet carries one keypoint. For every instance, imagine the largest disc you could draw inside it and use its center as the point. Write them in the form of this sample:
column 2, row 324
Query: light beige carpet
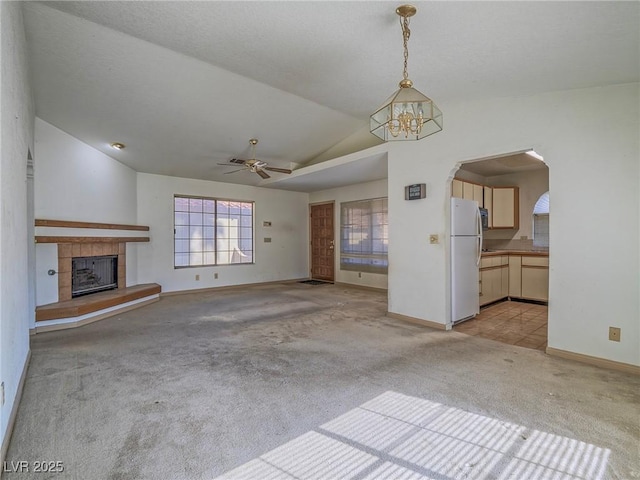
column 313, row 382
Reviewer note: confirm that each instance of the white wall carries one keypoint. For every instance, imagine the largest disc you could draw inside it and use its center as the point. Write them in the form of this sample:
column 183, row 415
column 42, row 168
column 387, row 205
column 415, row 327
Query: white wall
column 76, row 182
column 361, row 191
column 284, row 258
column 592, row 156
column 16, row 138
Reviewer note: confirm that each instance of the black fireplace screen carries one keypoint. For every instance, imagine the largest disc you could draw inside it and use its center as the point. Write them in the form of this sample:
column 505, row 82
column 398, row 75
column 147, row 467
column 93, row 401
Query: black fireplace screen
column 93, row 274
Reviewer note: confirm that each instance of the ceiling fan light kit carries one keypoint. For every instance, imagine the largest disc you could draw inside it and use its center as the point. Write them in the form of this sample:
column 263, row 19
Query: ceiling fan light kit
column 253, row 165
column 407, row 114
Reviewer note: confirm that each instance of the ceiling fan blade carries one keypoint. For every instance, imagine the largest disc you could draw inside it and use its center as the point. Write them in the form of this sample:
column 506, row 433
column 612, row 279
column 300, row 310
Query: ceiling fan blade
column 233, row 171
column 263, row 174
column 281, row 170
column 237, row 160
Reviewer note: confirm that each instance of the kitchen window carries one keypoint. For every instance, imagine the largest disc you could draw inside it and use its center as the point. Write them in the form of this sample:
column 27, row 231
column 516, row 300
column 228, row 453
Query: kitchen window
column 541, row 221
column 364, row 235
column 211, row 231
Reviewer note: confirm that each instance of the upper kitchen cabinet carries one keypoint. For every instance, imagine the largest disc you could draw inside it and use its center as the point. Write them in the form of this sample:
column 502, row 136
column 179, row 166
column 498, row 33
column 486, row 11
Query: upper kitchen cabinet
column 468, row 191
column 505, row 209
column 488, row 201
column 457, row 188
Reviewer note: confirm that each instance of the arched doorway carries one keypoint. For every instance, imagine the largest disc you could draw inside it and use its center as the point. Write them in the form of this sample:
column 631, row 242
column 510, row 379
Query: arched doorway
column 513, row 269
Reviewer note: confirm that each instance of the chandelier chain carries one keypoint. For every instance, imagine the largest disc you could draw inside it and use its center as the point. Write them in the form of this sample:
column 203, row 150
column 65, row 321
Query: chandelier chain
column 406, row 33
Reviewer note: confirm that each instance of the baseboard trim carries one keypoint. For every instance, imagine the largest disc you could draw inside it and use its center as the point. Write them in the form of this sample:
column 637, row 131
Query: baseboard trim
column 419, row 321
column 64, row 325
column 597, row 361
column 361, row 287
column 14, row 410
column 229, row 287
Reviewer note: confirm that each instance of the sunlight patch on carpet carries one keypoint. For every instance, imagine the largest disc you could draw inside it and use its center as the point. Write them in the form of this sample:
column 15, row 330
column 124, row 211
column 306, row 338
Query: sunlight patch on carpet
column 399, row 437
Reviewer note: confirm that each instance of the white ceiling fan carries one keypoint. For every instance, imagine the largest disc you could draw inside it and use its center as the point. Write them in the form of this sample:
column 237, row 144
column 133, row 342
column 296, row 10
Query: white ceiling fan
column 254, row 165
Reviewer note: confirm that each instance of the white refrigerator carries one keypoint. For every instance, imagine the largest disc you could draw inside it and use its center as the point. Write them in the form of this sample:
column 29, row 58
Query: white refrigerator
column 466, row 248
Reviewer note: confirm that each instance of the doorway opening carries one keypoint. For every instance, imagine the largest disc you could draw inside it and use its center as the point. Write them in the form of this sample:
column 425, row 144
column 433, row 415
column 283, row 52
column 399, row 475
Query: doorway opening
column 513, row 269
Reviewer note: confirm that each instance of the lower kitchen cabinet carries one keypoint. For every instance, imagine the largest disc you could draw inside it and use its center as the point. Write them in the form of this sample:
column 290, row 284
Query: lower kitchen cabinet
column 535, row 278
column 515, row 276
column 494, row 278
column 529, row 277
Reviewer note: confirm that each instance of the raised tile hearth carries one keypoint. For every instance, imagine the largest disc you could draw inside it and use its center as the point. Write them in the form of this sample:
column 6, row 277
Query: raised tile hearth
column 80, row 306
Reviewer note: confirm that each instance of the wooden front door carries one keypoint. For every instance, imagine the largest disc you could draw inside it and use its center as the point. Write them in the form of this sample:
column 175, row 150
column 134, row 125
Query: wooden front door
column 322, row 242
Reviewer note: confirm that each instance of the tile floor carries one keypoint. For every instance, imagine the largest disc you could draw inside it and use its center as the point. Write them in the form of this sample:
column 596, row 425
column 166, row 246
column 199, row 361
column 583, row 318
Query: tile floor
column 515, row 323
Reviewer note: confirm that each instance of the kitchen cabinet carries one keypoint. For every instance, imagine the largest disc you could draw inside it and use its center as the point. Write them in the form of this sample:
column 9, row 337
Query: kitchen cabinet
column 478, row 194
column 494, row 278
column 535, row 278
column 488, row 201
column 505, row 207
column 457, row 188
column 468, row 191
column 529, row 277
column 515, row 276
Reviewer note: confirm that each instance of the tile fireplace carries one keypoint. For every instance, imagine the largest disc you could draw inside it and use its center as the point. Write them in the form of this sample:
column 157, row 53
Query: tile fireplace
column 99, row 266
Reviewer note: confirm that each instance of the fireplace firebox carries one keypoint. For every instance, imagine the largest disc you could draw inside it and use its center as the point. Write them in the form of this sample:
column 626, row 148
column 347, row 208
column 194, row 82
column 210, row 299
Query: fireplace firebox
column 93, row 274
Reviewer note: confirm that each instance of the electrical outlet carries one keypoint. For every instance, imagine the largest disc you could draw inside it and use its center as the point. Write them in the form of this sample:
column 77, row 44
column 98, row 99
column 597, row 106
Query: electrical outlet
column 197, row 278
column 614, row 334
column 215, row 276
column 433, row 238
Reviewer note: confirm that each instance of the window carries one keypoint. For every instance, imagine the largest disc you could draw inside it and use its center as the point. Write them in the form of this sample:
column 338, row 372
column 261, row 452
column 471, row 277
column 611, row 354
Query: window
column 364, row 237
column 541, row 221
column 208, row 231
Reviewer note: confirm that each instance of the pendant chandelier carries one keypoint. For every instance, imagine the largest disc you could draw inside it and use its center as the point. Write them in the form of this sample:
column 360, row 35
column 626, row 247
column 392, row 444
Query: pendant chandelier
column 407, row 114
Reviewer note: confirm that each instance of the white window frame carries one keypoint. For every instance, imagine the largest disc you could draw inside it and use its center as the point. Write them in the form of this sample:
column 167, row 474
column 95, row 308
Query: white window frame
column 364, row 235
column 202, row 235
column 540, row 227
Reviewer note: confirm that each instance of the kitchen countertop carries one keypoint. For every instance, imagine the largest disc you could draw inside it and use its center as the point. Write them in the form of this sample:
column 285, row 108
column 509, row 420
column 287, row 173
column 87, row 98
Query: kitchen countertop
column 528, row 253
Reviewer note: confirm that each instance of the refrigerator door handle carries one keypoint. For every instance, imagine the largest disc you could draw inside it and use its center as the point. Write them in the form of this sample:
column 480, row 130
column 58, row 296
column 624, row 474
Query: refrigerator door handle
column 479, row 218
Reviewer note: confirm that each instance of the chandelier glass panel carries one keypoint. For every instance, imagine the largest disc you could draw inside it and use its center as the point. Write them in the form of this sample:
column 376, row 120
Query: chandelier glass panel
column 407, row 114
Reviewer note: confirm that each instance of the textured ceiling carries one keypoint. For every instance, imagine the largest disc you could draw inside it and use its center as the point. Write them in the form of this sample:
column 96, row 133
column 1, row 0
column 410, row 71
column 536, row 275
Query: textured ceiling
column 186, row 84
column 518, row 163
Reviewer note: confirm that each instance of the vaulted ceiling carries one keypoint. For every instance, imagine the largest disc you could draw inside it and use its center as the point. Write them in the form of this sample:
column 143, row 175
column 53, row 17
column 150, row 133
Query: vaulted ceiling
column 186, row 84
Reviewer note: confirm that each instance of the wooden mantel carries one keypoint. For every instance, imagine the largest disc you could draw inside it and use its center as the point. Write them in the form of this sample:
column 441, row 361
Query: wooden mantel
column 62, row 239
column 107, row 226
column 94, row 225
